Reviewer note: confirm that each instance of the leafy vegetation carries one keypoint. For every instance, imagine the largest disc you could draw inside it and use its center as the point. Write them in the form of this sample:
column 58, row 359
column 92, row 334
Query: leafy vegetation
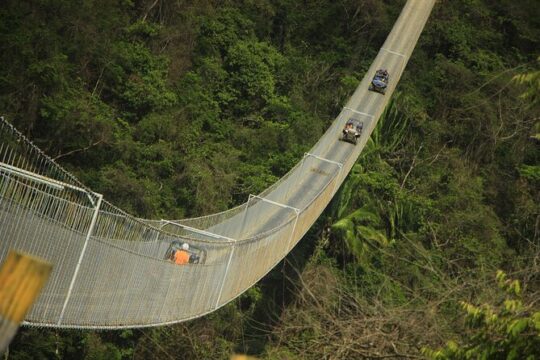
column 507, row 332
column 175, row 109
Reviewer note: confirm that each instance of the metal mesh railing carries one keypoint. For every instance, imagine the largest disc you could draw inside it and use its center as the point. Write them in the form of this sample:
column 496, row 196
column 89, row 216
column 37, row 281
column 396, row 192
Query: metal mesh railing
column 111, row 270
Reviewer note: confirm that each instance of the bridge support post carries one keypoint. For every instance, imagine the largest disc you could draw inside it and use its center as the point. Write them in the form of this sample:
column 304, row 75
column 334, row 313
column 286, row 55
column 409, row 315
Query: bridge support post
column 225, row 275
column 77, row 268
column 231, row 254
column 291, row 238
column 338, row 177
column 162, row 223
column 296, row 211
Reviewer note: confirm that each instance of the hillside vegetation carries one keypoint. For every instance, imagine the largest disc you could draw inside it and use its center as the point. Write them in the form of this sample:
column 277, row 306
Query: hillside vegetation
column 174, row 109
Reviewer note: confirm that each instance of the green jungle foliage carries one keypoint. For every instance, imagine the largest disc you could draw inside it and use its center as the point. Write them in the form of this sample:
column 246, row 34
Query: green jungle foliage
column 182, row 108
column 508, row 332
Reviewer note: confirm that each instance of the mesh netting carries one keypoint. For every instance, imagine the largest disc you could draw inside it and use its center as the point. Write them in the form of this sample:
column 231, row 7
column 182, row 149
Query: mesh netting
column 112, row 270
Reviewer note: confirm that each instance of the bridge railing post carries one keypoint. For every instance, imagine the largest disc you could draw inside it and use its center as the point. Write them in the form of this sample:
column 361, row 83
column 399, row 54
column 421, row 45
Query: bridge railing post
column 224, row 278
column 337, row 179
column 283, row 206
column 291, row 238
column 231, row 254
column 83, row 250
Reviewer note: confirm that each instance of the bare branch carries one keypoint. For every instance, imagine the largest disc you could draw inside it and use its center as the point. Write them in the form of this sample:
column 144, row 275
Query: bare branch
column 78, row 150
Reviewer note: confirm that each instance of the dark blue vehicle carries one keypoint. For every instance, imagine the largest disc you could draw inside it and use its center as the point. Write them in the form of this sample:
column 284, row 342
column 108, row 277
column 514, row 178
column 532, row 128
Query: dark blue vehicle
column 380, row 81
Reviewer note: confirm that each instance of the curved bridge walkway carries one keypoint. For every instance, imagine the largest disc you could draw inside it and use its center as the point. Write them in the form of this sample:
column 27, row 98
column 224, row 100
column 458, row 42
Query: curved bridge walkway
column 109, row 267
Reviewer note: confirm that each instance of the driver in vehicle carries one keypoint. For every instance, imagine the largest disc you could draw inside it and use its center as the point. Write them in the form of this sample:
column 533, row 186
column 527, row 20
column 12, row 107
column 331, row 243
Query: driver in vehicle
column 181, row 256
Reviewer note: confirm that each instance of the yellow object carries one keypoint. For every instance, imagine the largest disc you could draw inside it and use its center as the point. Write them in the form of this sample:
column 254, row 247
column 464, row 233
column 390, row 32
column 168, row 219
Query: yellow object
column 242, row 357
column 21, row 279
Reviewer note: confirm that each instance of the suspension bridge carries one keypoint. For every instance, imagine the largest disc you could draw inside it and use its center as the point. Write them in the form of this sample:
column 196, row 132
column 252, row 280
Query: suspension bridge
column 109, row 267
